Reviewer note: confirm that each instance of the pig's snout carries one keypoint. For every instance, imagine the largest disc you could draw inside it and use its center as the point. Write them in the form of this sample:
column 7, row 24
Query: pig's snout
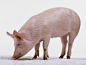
column 16, row 56
column 13, row 58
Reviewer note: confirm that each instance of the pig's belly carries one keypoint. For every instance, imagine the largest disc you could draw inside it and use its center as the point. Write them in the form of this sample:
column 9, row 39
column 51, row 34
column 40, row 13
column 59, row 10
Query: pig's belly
column 59, row 33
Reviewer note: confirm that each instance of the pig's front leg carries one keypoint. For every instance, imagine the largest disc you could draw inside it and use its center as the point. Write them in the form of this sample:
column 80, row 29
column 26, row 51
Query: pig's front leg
column 45, row 47
column 36, row 51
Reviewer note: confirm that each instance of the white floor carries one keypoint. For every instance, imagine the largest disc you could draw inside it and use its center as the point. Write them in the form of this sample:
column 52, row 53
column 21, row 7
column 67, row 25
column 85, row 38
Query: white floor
column 39, row 61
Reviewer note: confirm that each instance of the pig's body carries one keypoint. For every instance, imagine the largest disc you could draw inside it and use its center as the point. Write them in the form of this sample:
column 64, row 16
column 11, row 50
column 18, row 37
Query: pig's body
column 56, row 22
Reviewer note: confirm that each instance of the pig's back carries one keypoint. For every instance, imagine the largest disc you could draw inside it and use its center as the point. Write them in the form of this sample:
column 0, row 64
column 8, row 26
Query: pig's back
column 55, row 22
column 58, row 21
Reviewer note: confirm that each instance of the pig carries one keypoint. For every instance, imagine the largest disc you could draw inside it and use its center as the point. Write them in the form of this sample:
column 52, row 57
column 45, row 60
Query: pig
column 56, row 22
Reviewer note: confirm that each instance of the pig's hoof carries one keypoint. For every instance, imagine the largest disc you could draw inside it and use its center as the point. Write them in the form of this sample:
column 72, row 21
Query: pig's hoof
column 34, row 57
column 45, row 58
column 68, row 57
column 61, row 57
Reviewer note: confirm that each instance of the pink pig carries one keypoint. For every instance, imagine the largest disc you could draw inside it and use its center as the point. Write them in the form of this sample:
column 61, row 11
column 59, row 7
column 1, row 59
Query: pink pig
column 55, row 22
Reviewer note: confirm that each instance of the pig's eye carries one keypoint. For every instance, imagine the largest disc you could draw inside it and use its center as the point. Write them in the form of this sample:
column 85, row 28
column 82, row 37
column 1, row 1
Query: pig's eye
column 18, row 44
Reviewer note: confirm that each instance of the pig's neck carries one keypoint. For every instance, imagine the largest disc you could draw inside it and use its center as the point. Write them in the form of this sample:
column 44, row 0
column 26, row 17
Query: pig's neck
column 29, row 38
column 30, row 45
column 29, row 32
column 26, row 35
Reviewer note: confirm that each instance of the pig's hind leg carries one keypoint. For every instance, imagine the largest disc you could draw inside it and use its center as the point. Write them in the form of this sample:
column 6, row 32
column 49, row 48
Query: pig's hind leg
column 36, row 51
column 64, row 43
column 72, row 36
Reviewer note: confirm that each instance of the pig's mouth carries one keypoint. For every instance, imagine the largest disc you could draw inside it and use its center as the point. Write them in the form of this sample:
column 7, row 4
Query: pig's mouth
column 16, row 57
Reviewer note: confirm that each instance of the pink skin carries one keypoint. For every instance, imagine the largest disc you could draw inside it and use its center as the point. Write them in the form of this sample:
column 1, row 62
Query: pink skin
column 56, row 22
column 20, row 44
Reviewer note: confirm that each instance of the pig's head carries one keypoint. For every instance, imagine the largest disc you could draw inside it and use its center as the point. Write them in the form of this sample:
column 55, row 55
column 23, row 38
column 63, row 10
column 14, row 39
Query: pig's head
column 21, row 46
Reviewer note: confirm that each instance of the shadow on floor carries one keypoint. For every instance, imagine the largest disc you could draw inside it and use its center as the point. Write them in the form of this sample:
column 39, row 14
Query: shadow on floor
column 39, row 58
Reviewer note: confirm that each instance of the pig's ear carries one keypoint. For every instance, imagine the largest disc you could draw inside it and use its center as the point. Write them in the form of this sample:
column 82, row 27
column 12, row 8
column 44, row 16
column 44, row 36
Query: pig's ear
column 17, row 35
column 10, row 34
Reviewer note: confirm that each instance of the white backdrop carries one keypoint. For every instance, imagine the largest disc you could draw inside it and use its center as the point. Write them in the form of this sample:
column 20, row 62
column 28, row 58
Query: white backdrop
column 14, row 13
